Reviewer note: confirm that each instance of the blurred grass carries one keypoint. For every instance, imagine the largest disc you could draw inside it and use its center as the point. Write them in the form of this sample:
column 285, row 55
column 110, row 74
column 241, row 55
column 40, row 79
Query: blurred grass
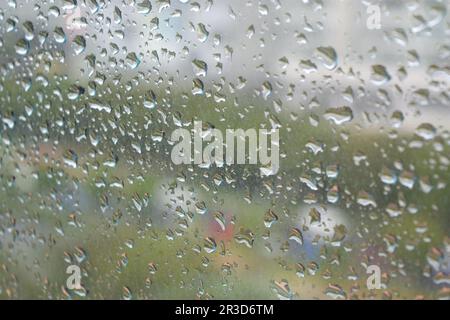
column 34, row 260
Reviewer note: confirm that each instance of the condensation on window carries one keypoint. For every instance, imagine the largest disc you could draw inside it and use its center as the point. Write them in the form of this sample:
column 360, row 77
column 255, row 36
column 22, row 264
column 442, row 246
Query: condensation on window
column 235, row 149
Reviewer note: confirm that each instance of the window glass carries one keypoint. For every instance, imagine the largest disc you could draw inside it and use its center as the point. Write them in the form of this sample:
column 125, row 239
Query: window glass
column 206, row 149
